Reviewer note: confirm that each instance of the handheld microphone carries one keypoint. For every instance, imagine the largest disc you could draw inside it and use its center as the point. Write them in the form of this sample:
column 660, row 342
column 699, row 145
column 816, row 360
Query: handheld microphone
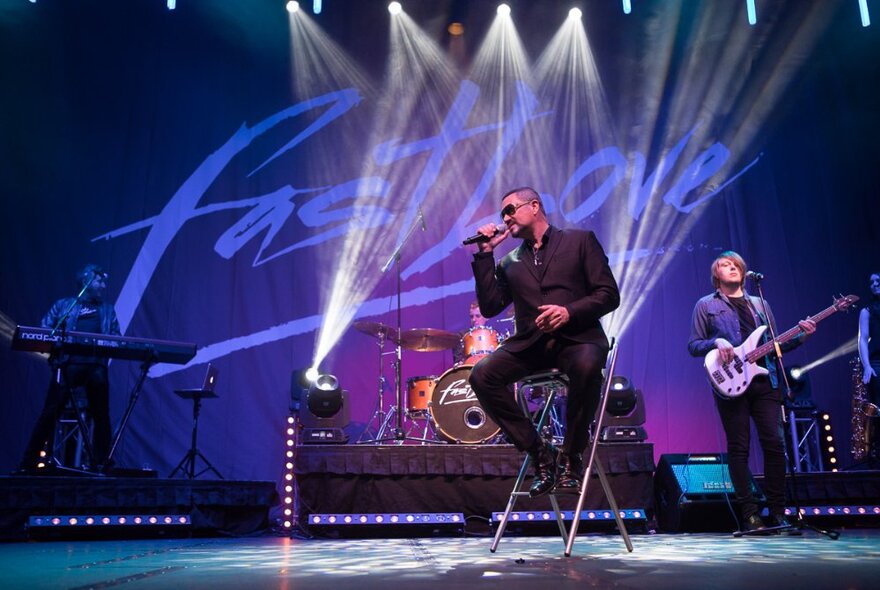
column 480, row 238
column 755, row 276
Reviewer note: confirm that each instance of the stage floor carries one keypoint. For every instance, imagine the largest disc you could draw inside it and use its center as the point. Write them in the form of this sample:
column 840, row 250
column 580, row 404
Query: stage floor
column 684, row 561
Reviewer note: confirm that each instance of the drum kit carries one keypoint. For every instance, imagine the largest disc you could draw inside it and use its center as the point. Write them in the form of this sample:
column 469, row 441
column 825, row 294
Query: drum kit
column 446, row 404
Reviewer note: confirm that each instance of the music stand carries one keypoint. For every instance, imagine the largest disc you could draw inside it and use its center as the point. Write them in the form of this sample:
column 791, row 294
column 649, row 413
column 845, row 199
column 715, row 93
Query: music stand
column 188, row 463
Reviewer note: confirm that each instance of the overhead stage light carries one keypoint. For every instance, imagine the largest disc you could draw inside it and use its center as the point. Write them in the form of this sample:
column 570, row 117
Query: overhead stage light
column 575, row 13
column 627, row 6
column 863, row 11
column 455, row 29
column 395, row 8
column 753, row 15
column 503, row 10
column 292, row 7
column 311, row 374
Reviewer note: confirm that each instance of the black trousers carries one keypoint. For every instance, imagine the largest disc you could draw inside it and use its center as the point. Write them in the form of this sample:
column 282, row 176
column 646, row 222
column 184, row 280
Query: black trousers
column 492, row 377
column 763, row 405
column 94, row 378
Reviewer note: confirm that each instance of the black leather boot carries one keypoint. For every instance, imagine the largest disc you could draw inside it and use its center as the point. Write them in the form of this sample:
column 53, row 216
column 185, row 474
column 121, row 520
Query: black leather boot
column 544, row 459
column 571, row 473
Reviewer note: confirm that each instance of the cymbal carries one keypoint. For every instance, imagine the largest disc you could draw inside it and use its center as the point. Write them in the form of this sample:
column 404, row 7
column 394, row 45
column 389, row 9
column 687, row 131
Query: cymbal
column 375, row 329
column 428, row 339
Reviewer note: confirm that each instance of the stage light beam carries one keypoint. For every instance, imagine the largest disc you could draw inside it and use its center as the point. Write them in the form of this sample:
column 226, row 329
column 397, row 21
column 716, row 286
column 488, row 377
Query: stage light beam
column 863, row 12
column 627, row 6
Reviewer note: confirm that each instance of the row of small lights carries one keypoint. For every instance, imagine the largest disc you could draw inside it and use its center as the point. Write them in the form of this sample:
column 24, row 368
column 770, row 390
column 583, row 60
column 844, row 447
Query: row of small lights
column 836, row 511
column 627, row 514
column 110, row 520
column 404, row 518
column 504, row 10
column 289, row 483
column 829, row 451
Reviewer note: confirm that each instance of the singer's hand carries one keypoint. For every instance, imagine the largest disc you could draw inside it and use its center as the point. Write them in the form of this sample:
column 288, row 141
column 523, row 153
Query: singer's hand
column 489, row 230
column 552, row 317
column 725, row 350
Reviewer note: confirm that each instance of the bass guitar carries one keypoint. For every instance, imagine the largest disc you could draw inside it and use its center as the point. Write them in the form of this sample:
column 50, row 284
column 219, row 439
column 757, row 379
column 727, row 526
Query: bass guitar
column 731, row 379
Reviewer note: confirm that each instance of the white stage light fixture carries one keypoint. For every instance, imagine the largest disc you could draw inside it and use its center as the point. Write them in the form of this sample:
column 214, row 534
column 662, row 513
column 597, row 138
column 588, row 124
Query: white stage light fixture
column 395, row 8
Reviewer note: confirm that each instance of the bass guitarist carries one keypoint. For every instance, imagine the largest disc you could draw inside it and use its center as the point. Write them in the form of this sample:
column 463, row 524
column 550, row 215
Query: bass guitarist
column 721, row 321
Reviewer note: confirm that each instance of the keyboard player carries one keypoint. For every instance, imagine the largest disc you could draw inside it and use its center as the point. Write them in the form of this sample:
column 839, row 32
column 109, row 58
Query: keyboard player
column 88, row 312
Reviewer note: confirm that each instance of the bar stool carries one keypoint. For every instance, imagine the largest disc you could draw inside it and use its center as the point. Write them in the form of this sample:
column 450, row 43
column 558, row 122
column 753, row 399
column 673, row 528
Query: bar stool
column 554, row 381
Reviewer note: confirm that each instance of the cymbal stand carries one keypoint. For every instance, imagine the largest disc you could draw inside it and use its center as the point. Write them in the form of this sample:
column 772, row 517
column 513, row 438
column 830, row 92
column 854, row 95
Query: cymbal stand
column 380, row 416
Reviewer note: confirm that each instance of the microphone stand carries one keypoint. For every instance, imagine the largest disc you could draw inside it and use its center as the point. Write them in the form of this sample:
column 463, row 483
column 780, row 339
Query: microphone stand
column 59, row 370
column 800, row 522
column 399, row 434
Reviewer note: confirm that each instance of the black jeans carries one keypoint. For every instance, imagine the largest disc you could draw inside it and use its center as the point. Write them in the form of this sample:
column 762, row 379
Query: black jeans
column 492, row 376
column 762, row 404
column 94, row 379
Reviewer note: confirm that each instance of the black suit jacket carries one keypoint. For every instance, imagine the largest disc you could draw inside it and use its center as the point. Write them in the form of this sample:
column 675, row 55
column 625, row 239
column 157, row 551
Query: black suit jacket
column 574, row 273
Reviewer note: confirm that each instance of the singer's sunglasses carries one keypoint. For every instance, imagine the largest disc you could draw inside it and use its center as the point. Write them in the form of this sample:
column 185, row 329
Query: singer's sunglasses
column 511, row 209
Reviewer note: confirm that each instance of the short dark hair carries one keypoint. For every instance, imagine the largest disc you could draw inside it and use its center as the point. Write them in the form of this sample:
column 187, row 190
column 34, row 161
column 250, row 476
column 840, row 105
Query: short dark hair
column 523, row 189
column 533, row 196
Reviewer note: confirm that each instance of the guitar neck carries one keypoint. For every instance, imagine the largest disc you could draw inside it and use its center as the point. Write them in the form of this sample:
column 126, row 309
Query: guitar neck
column 790, row 334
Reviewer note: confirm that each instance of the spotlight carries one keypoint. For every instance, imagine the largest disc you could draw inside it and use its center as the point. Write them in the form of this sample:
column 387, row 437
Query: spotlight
column 622, row 397
column 624, row 412
column 292, row 7
column 801, row 395
column 171, row 4
column 311, row 374
column 325, row 411
column 627, row 6
column 395, row 8
column 503, row 10
column 325, row 396
column 575, row 13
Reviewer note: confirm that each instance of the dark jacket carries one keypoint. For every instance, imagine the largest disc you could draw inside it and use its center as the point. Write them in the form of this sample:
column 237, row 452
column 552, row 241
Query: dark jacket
column 574, row 274
column 106, row 311
column 715, row 317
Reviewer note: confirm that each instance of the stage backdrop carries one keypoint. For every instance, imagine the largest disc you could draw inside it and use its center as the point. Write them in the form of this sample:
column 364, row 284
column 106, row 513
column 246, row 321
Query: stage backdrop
column 246, row 174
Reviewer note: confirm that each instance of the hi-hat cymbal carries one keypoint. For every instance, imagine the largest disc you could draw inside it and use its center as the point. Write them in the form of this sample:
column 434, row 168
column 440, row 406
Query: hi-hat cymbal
column 375, row 329
column 428, row 339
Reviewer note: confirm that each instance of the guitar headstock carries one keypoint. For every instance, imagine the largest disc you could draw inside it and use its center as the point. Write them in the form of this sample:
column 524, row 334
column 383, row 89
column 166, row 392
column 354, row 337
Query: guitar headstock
column 842, row 303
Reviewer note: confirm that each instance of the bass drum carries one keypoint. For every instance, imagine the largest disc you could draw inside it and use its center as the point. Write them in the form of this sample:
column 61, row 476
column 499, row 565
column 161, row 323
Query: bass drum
column 457, row 415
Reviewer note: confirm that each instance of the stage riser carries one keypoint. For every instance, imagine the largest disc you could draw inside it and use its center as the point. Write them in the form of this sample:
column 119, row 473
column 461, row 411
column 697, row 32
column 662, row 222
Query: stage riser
column 473, row 479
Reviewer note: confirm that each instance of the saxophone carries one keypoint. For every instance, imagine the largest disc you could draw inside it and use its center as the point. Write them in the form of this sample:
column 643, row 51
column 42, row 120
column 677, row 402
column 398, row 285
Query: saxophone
column 862, row 410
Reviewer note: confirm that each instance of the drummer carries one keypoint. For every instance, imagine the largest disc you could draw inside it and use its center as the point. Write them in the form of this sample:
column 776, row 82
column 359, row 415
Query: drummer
column 459, row 354
column 477, row 319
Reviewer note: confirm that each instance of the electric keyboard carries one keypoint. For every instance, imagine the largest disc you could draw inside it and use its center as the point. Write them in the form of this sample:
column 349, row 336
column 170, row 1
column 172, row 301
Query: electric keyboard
column 33, row 339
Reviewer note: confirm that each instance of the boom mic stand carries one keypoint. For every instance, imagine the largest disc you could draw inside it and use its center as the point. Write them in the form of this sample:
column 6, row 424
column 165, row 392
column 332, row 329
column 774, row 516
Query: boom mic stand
column 399, row 433
column 800, row 522
column 59, row 372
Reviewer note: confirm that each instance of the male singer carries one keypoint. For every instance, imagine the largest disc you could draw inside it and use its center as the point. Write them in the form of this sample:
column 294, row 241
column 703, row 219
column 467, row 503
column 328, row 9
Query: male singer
column 560, row 285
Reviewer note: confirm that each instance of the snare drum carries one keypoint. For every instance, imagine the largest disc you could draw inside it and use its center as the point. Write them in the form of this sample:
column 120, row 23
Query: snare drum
column 457, row 415
column 418, row 393
column 478, row 342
